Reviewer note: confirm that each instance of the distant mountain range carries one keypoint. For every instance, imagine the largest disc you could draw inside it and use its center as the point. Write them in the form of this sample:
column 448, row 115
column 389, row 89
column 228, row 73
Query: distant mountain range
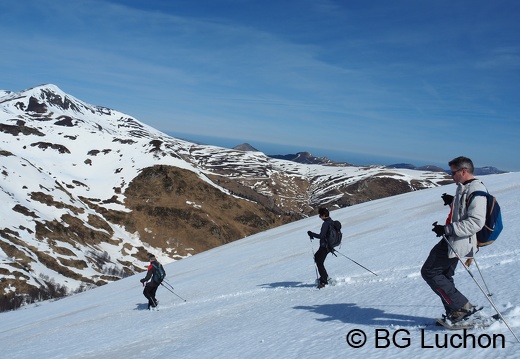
column 479, row 171
column 308, row 158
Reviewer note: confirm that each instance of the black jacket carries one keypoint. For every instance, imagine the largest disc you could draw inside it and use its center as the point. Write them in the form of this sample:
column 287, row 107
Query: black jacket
column 324, row 231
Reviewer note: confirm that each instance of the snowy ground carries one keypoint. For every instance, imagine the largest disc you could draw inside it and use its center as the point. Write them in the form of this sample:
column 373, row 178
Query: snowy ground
column 255, row 298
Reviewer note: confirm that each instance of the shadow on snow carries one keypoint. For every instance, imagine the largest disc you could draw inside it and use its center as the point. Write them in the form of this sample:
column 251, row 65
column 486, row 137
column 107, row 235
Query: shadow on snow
column 141, row 306
column 287, row 285
column 353, row 314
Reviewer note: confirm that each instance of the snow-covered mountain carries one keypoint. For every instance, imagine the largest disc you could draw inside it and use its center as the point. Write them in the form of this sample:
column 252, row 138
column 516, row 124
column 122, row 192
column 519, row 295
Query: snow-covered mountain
column 88, row 191
column 255, row 298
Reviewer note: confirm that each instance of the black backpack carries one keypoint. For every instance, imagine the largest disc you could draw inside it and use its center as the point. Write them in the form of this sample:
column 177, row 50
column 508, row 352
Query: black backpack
column 334, row 235
column 159, row 273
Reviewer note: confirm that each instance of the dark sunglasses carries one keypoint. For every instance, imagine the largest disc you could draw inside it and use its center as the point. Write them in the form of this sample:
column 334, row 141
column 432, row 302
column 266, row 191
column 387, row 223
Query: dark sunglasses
column 453, row 173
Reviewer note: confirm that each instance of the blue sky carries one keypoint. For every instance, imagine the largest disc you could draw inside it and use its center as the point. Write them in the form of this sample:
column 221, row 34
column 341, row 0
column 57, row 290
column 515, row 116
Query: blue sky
column 360, row 81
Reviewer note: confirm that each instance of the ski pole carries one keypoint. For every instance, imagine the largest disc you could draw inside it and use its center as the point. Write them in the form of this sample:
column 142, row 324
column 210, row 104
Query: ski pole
column 314, row 261
column 171, row 290
column 480, row 287
column 335, row 251
column 481, row 276
column 168, row 283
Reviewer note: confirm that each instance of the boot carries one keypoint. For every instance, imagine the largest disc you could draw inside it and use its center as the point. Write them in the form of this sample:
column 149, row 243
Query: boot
column 462, row 313
column 322, row 283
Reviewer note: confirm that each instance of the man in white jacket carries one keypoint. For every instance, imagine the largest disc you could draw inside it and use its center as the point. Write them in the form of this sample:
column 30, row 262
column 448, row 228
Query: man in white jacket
column 460, row 230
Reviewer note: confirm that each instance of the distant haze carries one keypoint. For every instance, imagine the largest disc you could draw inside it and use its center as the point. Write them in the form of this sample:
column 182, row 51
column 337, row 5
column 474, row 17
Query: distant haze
column 335, row 155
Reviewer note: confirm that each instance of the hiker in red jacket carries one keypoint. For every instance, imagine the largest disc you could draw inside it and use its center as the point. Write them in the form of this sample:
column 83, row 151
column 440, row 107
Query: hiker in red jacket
column 153, row 279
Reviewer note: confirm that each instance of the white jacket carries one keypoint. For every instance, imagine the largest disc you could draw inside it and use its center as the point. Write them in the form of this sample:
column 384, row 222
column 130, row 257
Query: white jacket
column 466, row 221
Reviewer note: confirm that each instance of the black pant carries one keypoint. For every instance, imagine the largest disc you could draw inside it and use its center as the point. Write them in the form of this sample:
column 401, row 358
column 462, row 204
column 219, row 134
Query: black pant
column 149, row 292
column 438, row 272
column 319, row 258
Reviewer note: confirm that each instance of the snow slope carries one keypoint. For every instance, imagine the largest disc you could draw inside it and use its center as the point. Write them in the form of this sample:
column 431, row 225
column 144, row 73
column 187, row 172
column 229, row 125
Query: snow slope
column 255, row 298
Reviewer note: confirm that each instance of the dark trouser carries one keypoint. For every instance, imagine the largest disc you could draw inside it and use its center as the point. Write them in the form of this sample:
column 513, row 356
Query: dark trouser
column 319, row 258
column 438, row 272
column 149, row 293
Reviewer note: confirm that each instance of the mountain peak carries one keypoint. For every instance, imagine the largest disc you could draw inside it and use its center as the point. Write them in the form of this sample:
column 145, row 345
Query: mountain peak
column 50, row 87
column 246, row 147
column 43, row 91
column 40, row 99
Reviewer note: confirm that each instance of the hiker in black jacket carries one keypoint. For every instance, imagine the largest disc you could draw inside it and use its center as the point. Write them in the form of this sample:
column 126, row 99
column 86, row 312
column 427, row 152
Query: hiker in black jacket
column 321, row 253
column 150, row 288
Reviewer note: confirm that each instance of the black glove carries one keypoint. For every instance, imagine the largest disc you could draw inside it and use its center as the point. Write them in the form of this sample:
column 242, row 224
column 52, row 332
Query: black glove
column 310, row 234
column 438, row 229
column 447, row 198
column 142, row 280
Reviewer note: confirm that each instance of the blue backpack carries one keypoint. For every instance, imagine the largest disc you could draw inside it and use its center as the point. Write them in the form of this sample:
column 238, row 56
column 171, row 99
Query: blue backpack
column 159, row 273
column 493, row 226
